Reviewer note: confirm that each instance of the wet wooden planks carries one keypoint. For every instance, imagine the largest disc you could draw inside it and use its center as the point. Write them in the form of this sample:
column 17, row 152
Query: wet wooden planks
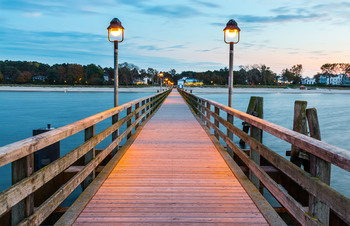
column 172, row 174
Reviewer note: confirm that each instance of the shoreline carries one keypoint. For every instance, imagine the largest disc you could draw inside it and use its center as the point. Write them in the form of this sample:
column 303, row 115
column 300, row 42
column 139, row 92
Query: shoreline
column 195, row 90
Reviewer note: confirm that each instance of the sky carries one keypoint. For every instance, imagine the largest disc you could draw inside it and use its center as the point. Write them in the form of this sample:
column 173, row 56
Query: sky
column 185, row 35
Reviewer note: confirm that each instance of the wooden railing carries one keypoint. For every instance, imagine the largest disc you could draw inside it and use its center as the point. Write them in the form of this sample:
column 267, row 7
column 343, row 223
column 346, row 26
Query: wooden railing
column 316, row 188
column 19, row 198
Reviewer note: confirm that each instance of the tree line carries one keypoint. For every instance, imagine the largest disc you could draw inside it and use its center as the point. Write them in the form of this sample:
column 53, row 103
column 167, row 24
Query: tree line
column 22, row 72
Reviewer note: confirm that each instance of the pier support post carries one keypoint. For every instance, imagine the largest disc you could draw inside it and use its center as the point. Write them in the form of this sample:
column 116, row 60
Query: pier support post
column 298, row 156
column 256, row 107
column 21, row 169
column 318, row 168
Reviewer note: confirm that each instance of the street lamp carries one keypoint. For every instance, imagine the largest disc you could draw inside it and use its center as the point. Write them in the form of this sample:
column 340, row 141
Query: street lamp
column 231, row 36
column 115, row 35
column 161, row 75
column 166, row 82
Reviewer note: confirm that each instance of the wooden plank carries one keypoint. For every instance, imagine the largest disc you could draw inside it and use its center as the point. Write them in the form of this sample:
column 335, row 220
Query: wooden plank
column 166, row 181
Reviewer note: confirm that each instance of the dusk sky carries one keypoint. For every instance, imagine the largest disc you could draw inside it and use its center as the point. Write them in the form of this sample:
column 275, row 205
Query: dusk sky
column 182, row 34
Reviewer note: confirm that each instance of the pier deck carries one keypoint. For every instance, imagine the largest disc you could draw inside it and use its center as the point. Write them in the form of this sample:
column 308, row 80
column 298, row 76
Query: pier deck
column 171, row 174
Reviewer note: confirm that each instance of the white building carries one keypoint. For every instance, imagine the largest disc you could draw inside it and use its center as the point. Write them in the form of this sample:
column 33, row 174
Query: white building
column 333, row 80
column 308, row 81
column 336, row 81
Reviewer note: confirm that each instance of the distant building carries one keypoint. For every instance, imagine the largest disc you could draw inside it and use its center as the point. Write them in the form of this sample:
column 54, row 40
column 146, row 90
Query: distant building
column 143, row 81
column 188, row 82
column 39, row 78
column 334, row 80
column 308, row 81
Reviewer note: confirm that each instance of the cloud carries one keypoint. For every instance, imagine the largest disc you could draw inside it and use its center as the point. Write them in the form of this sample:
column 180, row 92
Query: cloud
column 176, row 47
column 277, row 18
column 150, row 47
column 33, row 8
column 33, row 14
column 173, row 11
column 207, row 4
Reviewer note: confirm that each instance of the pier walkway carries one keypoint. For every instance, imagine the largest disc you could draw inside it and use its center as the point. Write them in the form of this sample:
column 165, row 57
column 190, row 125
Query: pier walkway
column 171, row 174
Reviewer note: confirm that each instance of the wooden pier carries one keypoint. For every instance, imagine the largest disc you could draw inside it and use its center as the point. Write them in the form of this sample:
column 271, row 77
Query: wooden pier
column 172, row 173
column 174, row 169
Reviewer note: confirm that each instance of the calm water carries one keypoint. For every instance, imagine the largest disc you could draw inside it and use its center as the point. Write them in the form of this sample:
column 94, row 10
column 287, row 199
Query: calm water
column 21, row 112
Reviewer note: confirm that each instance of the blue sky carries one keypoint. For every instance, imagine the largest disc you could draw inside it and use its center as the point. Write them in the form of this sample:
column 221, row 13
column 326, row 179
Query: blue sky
column 182, row 34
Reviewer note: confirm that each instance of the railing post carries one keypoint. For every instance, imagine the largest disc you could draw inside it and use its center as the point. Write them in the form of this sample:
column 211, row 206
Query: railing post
column 147, row 108
column 256, row 134
column 318, row 168
column 115, row 134
column 21, row 169
column 143, row 110
column 89, row 133
column 137, row 114
column 208, row 114
column 128, row 123
column 203, row 110
column 230, row 134
column 216, row 122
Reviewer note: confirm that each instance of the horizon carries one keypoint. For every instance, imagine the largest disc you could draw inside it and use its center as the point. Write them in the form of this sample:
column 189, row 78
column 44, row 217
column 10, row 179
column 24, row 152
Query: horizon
column 185, row 36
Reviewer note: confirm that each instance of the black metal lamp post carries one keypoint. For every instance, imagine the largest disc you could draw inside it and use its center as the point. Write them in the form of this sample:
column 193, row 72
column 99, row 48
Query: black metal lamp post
column 115, row 35
column 231, row 36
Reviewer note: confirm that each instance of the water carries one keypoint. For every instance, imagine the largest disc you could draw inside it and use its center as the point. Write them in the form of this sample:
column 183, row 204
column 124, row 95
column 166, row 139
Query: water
column 333, row 114
column 21, row 112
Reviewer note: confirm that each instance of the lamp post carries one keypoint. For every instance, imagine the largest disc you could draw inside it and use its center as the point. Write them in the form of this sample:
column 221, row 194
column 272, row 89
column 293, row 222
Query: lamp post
column 115, row 35
column 161, row 75
column 231, row 36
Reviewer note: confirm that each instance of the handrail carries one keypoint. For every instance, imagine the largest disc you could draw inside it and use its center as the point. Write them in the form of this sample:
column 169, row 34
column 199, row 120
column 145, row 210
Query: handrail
column 337, row 156
column 143, row 108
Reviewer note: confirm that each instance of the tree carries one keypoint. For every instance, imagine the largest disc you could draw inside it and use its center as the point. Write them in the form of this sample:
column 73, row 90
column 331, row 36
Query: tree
column 75, row 73
column 24, row 77
column 93, row 75
column 297, row 71
column 1, row 77
column 53, row 76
